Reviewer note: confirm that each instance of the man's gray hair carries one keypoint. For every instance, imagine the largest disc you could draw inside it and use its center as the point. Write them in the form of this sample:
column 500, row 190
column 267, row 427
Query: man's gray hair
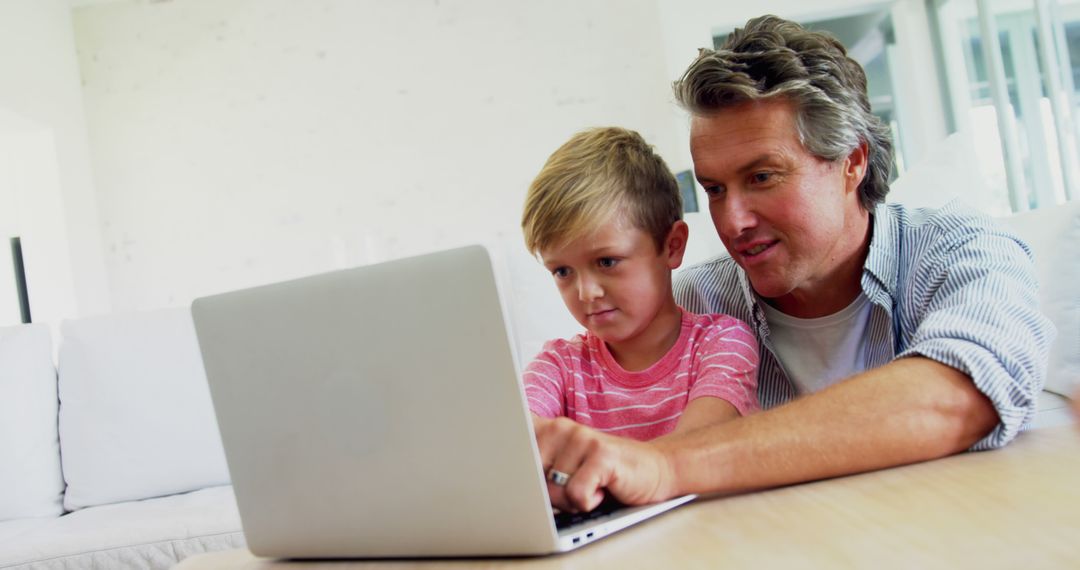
column 773, row 58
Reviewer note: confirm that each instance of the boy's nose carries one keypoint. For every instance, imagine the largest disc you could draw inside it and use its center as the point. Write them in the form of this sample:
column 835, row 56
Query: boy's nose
column 589, row 289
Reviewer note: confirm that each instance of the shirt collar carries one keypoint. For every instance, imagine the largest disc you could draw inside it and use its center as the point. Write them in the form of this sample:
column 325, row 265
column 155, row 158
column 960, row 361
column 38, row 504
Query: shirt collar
column 752, row 301
column 880, row 267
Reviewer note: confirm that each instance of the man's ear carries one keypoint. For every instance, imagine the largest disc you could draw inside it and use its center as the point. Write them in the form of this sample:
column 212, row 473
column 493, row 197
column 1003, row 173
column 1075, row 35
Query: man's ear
column 855, row 166
column 675, row 243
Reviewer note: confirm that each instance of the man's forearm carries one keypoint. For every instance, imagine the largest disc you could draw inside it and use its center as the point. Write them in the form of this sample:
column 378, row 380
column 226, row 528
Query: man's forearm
column 911, row 410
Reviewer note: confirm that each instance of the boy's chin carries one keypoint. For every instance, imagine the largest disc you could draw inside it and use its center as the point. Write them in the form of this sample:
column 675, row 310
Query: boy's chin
column 609, row 337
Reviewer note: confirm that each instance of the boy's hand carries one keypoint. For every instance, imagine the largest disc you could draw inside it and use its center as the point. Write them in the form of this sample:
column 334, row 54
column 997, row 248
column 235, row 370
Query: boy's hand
column 633, row 472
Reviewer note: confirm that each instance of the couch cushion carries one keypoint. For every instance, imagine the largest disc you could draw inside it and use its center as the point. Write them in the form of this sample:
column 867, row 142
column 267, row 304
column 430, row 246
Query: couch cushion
column 1054, row 236
column 153, row 533
column 30, row 481
column 136, row 419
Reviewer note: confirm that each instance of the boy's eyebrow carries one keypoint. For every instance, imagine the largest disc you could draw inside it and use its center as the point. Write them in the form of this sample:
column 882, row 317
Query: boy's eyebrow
column 596, row 251
column 550, row 263
column 607, row 249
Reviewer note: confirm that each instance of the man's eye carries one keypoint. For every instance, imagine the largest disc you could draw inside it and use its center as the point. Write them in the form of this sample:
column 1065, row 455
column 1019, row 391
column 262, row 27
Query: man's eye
column 607, row 262
column 713, row 190
column 761, row 177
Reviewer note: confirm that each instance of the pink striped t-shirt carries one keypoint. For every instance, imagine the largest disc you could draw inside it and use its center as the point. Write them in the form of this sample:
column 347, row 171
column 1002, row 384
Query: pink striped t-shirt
column 716, row 355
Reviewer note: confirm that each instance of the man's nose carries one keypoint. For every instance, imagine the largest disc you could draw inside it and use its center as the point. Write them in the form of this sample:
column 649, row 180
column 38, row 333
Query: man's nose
column 734, row 215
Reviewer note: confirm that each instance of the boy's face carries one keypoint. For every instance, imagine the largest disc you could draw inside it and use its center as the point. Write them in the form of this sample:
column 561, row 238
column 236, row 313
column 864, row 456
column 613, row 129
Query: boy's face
column 617, row 285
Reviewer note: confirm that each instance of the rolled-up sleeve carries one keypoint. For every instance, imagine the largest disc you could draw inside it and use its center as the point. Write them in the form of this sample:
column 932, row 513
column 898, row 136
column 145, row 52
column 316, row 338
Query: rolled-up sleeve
column 976, row 309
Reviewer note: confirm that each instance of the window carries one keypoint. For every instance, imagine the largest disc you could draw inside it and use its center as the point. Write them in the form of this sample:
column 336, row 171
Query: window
column 1012, row 68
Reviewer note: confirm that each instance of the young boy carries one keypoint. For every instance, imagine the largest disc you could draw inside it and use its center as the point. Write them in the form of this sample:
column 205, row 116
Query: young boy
column 605, row 217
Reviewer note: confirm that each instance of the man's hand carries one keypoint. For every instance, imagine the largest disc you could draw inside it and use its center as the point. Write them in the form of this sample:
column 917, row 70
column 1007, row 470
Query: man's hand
column 635, row 473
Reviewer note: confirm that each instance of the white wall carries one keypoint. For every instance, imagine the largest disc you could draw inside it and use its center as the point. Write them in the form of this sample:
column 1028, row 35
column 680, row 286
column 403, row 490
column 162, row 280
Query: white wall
column 47, row 193
column 239, row 142
column 31, row 207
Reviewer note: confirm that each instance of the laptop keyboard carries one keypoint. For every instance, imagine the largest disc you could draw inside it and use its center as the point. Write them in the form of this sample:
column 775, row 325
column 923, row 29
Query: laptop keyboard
column 606, row 507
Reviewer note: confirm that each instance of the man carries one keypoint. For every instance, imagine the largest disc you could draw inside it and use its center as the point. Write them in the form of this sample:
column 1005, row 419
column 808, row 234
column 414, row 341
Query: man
column 887, row 336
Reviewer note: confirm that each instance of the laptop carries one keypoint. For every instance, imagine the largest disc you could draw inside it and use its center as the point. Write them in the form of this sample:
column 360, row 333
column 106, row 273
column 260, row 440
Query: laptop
column 378, row 412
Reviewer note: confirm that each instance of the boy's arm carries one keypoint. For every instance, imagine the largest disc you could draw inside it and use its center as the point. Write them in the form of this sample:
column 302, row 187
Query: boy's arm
column 703, row 412
column 724, row 385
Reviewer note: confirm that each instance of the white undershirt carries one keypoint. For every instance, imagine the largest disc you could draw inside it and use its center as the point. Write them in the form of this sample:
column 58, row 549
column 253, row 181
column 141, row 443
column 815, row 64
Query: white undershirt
column 816, row 353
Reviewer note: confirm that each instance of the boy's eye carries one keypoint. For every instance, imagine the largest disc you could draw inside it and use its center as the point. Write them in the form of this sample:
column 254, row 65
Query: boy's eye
column 560, row 272
column 607, row 262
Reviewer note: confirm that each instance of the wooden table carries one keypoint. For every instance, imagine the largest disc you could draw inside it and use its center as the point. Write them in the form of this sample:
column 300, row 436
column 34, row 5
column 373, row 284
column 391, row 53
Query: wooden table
column 1018, row 507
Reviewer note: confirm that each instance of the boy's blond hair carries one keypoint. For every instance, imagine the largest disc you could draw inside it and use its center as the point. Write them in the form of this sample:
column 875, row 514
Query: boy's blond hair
column 596, row 174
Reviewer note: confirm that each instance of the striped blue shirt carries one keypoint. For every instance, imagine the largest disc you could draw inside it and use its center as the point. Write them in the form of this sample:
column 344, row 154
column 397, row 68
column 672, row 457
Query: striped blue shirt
column 946, row 284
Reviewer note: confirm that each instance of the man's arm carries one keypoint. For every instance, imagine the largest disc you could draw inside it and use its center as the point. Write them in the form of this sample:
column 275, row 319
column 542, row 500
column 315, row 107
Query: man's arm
column 910, row 410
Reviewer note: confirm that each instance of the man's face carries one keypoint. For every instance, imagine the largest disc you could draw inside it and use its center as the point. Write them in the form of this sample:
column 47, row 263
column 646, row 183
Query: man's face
column 791, row 220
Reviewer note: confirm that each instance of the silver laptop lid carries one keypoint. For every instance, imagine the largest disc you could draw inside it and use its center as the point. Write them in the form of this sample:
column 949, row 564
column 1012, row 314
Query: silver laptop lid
column 376, row 412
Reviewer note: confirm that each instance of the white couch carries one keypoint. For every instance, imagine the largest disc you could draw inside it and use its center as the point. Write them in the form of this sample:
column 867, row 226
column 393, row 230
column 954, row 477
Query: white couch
column 127, row 471
column 1054, row 237
column 120, row 436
